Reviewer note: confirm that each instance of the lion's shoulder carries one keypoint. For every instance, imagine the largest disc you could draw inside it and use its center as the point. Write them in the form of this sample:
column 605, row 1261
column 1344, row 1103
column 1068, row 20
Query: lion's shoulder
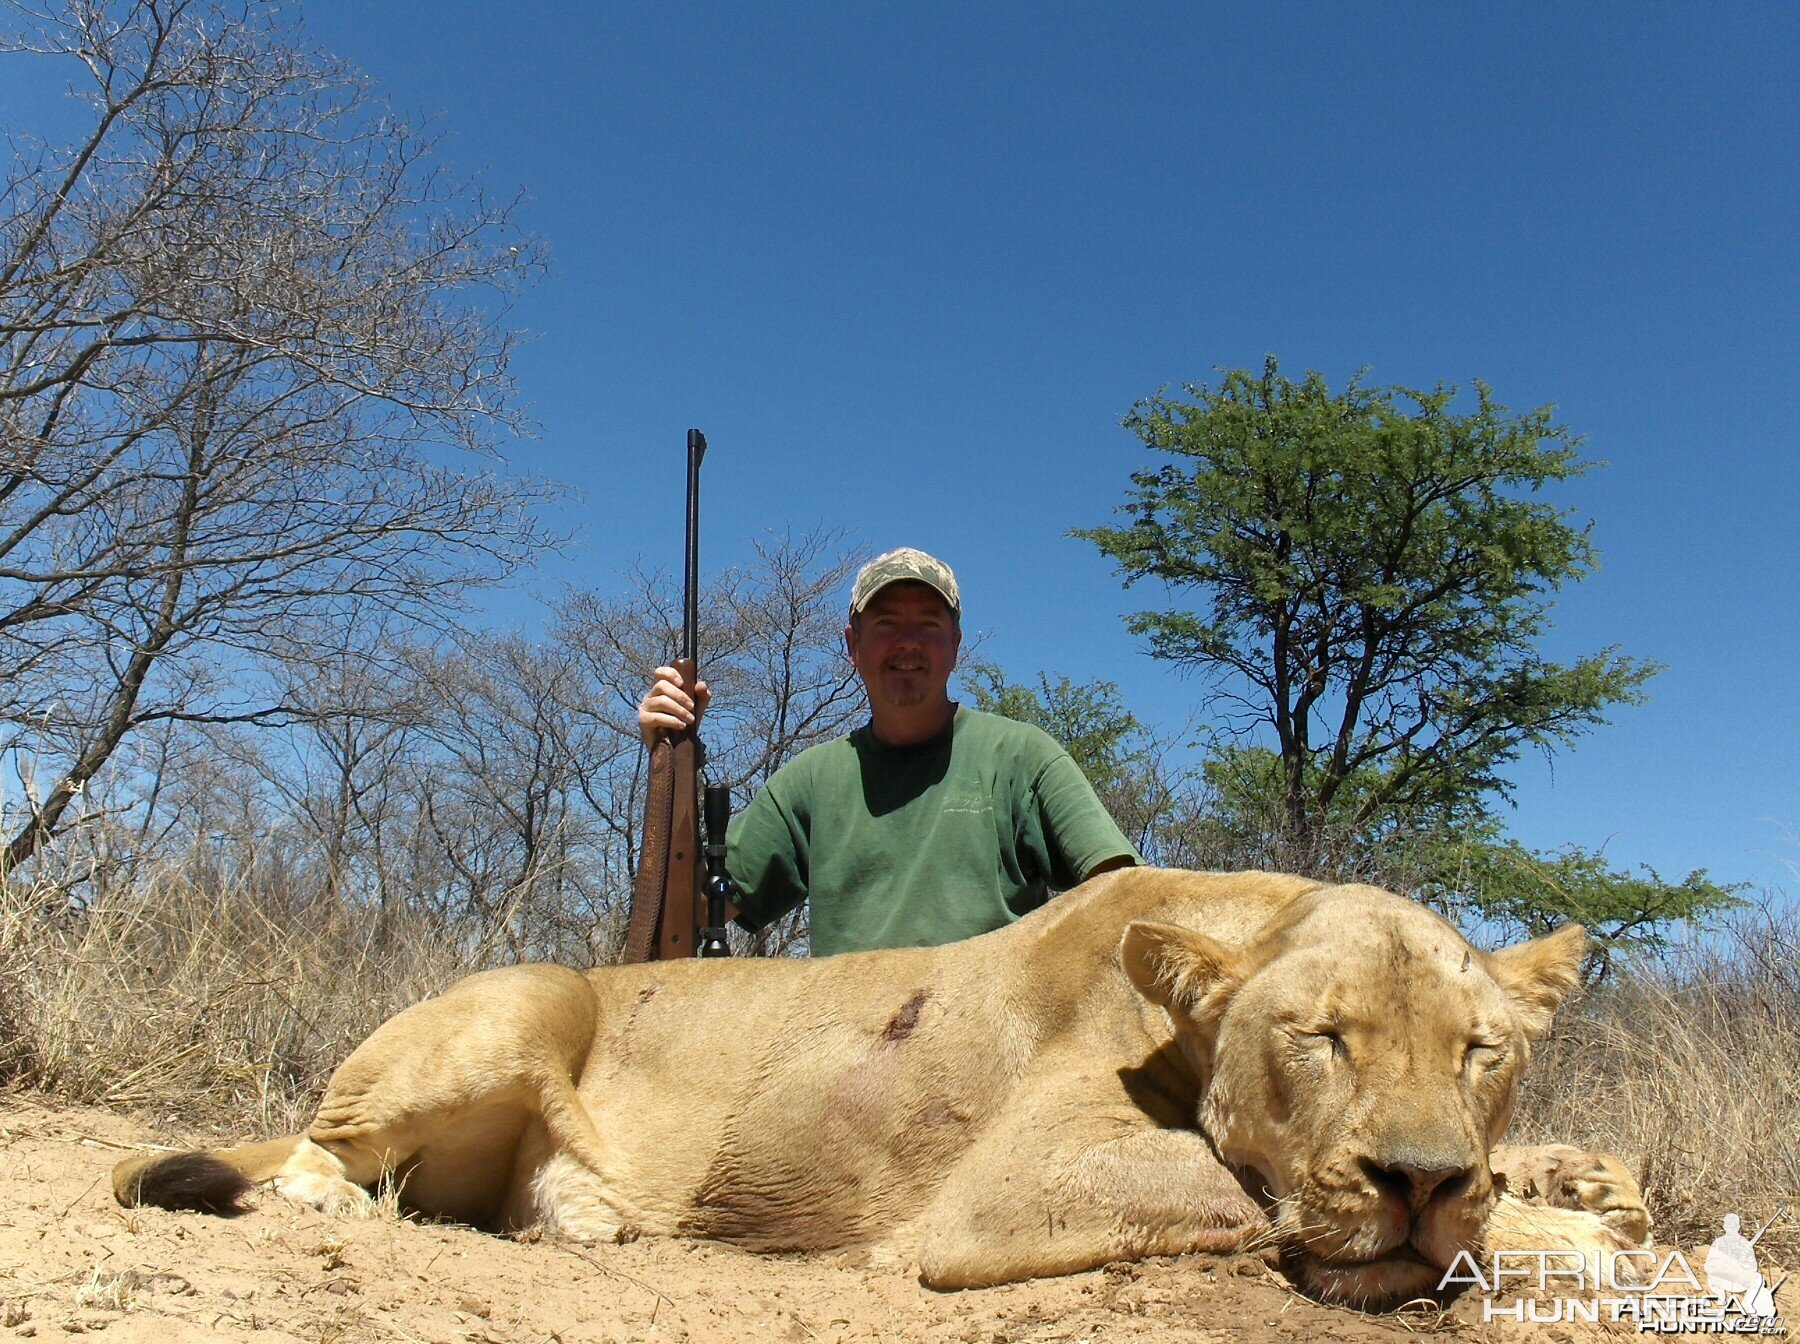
column 1094, row 916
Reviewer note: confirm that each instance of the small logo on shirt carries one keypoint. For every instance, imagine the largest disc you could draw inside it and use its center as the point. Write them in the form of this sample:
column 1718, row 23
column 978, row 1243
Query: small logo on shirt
column 972, row 803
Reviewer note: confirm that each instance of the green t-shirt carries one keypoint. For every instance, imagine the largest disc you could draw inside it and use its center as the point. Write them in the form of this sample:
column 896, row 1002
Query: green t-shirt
column 916, row 846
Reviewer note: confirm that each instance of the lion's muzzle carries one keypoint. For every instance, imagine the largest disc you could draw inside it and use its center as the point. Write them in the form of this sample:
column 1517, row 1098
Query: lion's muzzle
column 1382, row 1221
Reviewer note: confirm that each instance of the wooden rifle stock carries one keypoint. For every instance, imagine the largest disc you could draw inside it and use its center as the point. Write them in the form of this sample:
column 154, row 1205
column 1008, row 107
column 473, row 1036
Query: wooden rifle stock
column 665, row 897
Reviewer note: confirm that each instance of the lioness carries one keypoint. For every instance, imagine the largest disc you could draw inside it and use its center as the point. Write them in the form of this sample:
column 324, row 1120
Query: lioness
column 1157, row 1062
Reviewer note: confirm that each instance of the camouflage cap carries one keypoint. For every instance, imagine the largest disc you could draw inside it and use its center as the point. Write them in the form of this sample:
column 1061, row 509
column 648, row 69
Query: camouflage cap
column 904, row 566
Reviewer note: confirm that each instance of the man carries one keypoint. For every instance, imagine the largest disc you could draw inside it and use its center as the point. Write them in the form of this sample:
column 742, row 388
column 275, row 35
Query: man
column 929, row 824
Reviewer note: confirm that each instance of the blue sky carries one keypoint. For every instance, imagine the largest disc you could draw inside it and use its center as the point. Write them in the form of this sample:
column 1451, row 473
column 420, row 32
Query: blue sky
column 908, row 265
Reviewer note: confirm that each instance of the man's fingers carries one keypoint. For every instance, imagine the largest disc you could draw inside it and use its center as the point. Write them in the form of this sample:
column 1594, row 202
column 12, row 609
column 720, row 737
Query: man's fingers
column 664, row 696
column 669, row 705
column 668, row 693
column 681, row 711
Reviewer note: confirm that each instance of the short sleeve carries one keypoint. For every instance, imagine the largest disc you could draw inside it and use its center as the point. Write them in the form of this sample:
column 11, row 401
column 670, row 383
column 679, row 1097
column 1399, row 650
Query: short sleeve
column 1078, row 832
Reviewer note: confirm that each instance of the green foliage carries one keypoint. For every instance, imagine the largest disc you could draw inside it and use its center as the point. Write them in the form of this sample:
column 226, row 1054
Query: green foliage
column 1366, row 576
column 1456, row 861
column 1246, row 786
column 1515, row 888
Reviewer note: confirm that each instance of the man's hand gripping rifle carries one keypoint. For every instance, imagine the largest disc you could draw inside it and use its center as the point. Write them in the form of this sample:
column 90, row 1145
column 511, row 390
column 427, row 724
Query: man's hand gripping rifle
column 665, row 898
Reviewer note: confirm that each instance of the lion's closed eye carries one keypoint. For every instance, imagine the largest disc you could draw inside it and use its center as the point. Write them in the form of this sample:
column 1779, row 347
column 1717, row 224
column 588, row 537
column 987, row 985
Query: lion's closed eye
column 1325, row 1043
column 1480, row 1056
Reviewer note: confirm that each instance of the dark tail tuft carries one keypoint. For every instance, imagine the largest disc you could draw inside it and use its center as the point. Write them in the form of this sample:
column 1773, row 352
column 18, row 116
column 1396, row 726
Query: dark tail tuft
column 196, row 1181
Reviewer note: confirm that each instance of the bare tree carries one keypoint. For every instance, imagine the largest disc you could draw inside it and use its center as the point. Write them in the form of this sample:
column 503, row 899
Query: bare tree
column 243, row 337
column 485, row 784
column 359, row 720
column 499, row 793
column 787, row 682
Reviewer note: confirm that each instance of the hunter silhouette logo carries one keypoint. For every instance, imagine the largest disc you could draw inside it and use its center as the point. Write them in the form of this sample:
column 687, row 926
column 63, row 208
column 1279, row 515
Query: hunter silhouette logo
column 1659, row 1292
column 1731, row 1271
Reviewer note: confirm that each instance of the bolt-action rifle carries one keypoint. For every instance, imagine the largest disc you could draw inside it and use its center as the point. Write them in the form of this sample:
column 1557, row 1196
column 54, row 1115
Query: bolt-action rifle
column 666, row 896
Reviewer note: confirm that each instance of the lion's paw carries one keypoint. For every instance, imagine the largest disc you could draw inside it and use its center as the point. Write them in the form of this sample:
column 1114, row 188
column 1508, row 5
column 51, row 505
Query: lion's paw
column 1531, row 1228
column 1599, row 1183
column 328, row 1194
column 1566, row 1177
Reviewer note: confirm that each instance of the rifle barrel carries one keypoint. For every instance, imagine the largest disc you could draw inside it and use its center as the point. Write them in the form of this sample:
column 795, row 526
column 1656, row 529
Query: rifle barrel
column 690, row 634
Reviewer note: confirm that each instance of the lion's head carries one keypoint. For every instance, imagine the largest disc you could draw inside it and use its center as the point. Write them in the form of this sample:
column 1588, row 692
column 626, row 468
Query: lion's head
column 1359, row 1060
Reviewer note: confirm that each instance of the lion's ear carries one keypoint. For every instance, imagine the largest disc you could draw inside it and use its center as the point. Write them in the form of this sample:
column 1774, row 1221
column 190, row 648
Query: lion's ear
column 1538, row 974
column 1180, row 970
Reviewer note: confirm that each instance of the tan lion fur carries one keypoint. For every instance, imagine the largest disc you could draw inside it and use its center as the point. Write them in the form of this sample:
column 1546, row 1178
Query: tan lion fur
column 1157, row 1062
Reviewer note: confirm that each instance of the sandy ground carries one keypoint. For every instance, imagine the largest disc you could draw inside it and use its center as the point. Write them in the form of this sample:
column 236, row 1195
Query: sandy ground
column 72, row 1262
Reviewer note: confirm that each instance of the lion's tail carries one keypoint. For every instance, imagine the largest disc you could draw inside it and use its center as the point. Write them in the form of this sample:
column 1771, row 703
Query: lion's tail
column 215, row 1181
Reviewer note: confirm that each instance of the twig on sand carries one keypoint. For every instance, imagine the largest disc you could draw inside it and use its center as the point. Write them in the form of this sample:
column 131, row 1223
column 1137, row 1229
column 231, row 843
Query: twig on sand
column 1422, row 1316
column 83, row 1195
column 95, row 1141
column 616, row 1273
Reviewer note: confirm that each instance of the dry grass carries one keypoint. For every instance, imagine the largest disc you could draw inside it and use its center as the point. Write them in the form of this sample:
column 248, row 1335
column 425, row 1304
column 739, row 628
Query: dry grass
column 1689, row 1068
column 210, row 1006
column 200, row 1004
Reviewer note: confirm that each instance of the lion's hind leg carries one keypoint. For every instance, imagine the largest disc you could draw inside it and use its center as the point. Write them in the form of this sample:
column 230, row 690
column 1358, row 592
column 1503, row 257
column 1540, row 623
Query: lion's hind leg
column 439, row 1097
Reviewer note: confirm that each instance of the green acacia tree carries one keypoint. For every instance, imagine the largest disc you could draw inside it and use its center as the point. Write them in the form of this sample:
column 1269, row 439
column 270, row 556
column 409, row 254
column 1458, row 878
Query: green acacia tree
column 1364, row 577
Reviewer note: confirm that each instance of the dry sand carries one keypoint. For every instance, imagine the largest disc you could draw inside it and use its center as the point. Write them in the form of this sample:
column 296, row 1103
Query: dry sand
column 73, row 1263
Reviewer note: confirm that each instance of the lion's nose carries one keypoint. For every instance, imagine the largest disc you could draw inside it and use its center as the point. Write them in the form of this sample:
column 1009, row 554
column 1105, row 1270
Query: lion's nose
column 1413, row 1180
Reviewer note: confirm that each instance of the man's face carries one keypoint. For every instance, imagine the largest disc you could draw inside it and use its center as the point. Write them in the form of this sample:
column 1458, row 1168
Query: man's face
column 904, row 646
